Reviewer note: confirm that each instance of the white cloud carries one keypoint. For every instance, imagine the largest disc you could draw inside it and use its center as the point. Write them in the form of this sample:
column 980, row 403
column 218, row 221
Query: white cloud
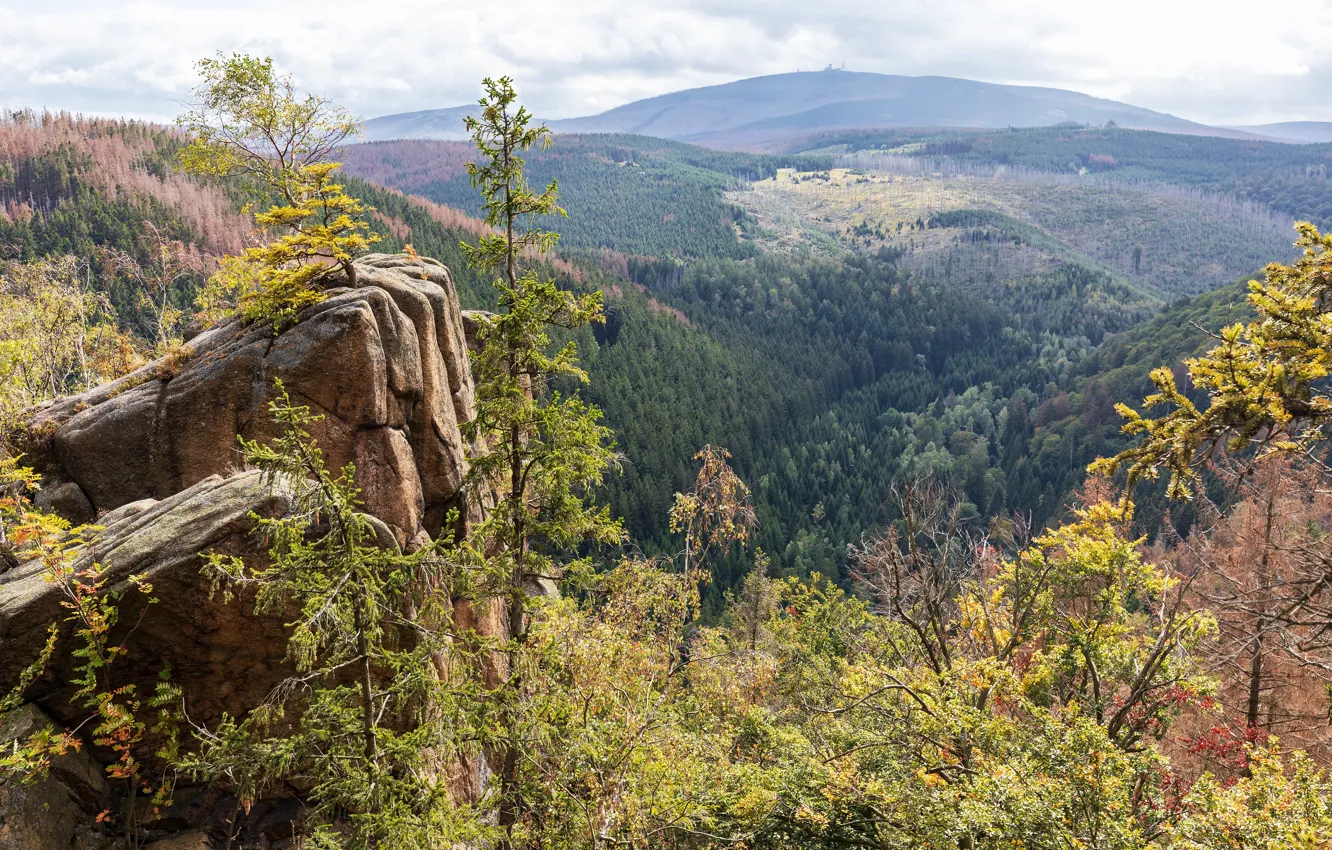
column 1213, row 61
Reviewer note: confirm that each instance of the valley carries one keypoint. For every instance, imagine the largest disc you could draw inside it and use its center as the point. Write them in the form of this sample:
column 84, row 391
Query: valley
column 828, row 324
column 852, row 320
column 830, row 460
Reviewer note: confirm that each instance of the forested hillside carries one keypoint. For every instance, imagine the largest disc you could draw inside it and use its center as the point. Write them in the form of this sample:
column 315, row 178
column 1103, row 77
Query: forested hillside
column 1291, row 179
column 760, row 355
column 632, row 194
column 828, row 379
column 892, row 328
column 649, row 197
column 815, row 526
column 830, row 371
column 98, row 190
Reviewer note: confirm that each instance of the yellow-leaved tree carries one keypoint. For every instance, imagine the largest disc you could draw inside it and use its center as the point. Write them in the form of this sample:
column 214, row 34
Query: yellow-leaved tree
column 1265, row 380
column 57, row 336
column 250, row 125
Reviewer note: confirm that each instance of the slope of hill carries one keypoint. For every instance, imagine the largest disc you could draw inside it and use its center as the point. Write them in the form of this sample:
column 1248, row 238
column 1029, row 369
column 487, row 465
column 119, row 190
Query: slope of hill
column 426, row 124
column 654, row 197
column 1298, row 132
column 82, row 187
column 52, row 165
column 1291, row 179
column 763, row 355
column 627, row 193
column 988, row 231
column 1077, row 424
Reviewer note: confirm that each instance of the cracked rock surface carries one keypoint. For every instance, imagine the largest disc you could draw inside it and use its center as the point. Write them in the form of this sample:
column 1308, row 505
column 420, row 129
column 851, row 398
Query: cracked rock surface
column 153, row 459
column 385, row 364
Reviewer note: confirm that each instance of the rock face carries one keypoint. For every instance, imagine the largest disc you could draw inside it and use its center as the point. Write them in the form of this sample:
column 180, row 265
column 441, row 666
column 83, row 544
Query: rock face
column 53, row 811
column 225, row 658
column 153, row 459
column 384, row 363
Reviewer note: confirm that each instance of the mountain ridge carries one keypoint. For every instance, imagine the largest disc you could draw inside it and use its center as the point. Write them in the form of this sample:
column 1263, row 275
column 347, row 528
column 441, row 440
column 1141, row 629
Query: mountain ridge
column 443, row 124
column 745, row 113
column 1292, row 132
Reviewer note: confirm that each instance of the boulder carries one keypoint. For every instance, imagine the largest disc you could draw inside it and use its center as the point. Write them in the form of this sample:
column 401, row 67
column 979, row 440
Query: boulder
column 224, row 657
column 153, row 457
column 384, row 363
column 67, row 499
column 55, row 811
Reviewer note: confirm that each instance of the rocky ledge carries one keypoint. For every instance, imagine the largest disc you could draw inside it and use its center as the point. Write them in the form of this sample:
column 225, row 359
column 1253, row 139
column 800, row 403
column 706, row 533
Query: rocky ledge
column 152, row 458
column 384, row 363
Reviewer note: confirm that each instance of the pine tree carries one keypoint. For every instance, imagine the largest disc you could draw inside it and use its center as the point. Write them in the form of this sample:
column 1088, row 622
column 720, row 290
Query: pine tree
column 1265, row 380
column 539, row 450
column 374, row 716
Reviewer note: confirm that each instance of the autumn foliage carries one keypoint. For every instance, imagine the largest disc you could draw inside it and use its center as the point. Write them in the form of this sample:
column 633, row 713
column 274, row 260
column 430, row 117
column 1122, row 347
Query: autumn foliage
column 111, row 157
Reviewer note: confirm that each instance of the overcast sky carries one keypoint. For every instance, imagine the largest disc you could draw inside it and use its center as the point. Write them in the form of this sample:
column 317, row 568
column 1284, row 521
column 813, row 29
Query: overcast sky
column 1219, row 62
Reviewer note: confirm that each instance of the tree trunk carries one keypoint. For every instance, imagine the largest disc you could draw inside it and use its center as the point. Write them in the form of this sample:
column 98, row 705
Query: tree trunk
column 367, row 691
column 1255, row 680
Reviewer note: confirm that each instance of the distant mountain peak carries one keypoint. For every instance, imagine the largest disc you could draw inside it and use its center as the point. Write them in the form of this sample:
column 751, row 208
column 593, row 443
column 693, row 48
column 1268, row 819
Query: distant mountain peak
column 425, row 124
column 758, row 111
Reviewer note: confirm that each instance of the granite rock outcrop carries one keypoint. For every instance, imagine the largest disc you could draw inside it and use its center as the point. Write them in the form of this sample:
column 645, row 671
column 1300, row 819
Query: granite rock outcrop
column 153, row 460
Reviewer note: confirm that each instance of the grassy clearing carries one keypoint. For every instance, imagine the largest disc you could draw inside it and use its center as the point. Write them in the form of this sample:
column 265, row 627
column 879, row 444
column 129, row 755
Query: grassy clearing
column 1171, row 241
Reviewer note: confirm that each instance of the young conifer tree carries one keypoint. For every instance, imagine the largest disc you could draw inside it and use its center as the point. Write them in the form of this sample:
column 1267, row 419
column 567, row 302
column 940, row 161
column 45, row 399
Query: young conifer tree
column 251, row 125
column 371, row 714
column 539, row 450
column 1266, row 381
